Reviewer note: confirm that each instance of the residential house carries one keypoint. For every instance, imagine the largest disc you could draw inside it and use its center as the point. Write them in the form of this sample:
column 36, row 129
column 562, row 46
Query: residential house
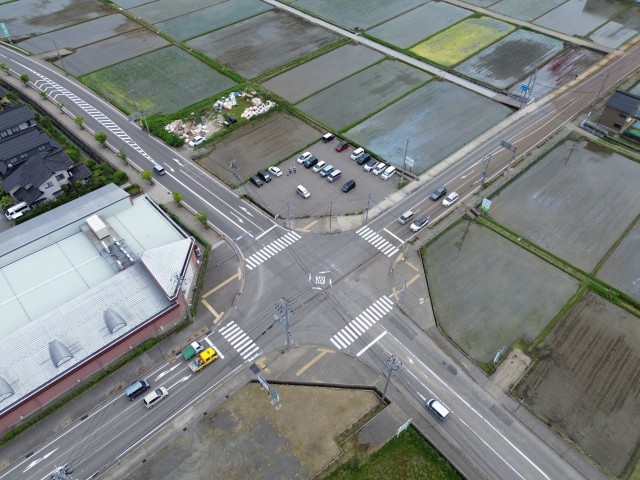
column 620, row 111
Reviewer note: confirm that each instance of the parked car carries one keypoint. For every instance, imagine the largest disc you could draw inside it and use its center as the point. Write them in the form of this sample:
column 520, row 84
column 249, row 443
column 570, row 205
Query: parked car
column 356, row 153
column 310, row 162
column 275, row 171
column 379, row 168
column 303, row 192
column 350, row 185
column 327, row 137
column 303, row 157
column 319, row 166
column 154, row 397
column 450, row 199
column 343, row 145
column 364, row 158
column 264, row 176
column 229, row 121
column 196, row 141
column 370, row 164
column 256, row 181
column 437, row 193
column 419, row 224
column 326, row 170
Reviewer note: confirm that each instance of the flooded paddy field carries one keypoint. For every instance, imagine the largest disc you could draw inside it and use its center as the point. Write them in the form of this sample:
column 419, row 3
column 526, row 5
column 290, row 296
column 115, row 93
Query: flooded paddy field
column 196, row 23
column 621, row 268
column 263, row 42
column 488, row 292
column 511, row 59
column 579, row 17
column 160, row 10
column 319, row 73
column 159, row 82
column 422, row 22
column 525, row 10
column 357, row 96
column 567, row 202
column 419, row 117
column 613, row 34
column 587, row 382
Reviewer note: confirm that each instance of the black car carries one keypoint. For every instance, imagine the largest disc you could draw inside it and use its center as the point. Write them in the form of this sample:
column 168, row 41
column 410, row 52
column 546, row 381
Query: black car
column 350, row 185
column 364, row 158
column 229, row 121
column 264, row 176
column 438, row 193
column 310, row 162
column 256, row 181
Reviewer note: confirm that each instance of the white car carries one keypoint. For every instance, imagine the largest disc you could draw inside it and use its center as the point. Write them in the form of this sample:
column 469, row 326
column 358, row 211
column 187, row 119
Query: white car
column 275, row 171
column 303, row 192
column 419, row 224
column 304, row 156
column 379, row 168
column 319, row 166
column 450, row 199
column 196, row 141
column 154, row 397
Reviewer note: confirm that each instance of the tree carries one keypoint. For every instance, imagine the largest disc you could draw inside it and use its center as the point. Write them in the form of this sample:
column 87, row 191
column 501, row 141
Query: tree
column 80, row 121
column 123, row 155
column 101, row 137
column 4, row 67
column 147, row 175
column 25, row 78
column 5, row 201
column 43, row 95
column 201, row 216
column 177, row 197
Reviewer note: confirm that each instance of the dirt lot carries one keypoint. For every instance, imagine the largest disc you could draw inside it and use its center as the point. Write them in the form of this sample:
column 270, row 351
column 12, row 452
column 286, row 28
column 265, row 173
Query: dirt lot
column 567, row 204
column 487, row 292
column 246, row 437
column 587, row 383
column 621, row 268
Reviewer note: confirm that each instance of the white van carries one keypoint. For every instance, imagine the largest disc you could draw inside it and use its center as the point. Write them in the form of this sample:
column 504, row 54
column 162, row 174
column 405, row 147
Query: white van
column 405, row 217
column 438, row 409
column 17, row 211
column 154, row 397
column 379, row 168
column 388, row 173
column 334, row 175
column 356, row 153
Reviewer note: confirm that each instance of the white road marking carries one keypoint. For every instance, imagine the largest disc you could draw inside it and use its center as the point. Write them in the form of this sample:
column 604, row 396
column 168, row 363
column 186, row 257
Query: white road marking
column 373, row 342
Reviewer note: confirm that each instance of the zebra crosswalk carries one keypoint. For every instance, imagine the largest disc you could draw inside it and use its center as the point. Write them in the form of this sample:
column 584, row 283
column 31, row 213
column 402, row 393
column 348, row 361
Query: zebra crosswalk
column 268, row 251
column 240, row 341
column 363, row 322
column 386, row 247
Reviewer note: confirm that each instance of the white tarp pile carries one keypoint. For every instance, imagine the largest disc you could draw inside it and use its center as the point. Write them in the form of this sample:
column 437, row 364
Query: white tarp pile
column 226, row 103
column 258, row 108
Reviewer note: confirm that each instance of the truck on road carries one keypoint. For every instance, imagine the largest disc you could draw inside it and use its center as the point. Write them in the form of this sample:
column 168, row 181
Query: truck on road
column 203, row 359
column 192, row 350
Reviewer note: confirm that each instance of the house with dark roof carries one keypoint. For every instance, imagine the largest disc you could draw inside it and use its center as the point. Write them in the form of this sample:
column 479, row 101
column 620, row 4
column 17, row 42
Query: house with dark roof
column 17, row 148
column 14, row 120
column 620, row 111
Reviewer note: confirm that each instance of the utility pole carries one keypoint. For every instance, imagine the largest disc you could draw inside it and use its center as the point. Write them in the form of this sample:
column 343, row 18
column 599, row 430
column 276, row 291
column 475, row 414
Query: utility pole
column 234, row 165
column 59, row 57
column 366, row 210
column 406, row 148
column 485, row 161
column 330, row 211
column 284, row 312
column 394, row 364
column 130, row 91
column 600, row 89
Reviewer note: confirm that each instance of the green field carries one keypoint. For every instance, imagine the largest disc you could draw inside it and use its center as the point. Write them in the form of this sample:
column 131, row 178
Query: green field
column 158, row 82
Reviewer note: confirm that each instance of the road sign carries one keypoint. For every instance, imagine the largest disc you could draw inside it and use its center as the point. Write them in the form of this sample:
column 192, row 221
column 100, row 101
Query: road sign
column 275, row 395
column 402, row 428
column 486, row 205
column 4, row 29
column 524, row 87
column 409, row 162
column 263, row 382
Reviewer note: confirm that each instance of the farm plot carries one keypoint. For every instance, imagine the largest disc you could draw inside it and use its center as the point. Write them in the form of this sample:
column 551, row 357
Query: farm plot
column 131, row 3
column 587, row 383
column 621, row 268
column 481, row 3
column 488, row 292
column 418, row 24
column 511, row 59
column 567, row 204
column 525, row 10
column 161, row 10
column 432, row 135
column 573, row 18
column 464, row 39
column 258, row 145
column 612, row 34
column 34, row 17
column 211, row 18
column 319, row 73
column 362, row 14
column 151, row 82
column 355, row 97
column 263, row 42
column 111, row 51
column 81, row 34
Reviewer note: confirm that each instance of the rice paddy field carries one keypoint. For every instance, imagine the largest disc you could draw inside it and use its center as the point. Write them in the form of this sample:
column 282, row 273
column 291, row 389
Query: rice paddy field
column 525, row 10
column 357, row 96
column 511, row 59
column 211, row 18
column 573, row 18
column 435, row 118
column 462, row 40
column 613, row 34
column 160, row 10
column 321, row 72
column 149, row 83
column 422, row 22
column 621, row 268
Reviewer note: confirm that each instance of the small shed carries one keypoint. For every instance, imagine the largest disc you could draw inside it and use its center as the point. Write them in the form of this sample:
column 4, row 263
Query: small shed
column 620, row 111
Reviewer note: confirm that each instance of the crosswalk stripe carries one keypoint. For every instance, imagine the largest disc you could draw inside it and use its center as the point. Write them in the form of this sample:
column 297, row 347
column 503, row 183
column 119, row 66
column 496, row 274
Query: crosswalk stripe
column 369, row 317
column 387, row 300
column 383, row 305
column 352, row 331
column 358, row 320
column 346, row 335
column 369, row 235
column 377, row 310
column 344, row 338
column 252, row 350
column 335, row 344
column 364, row 320
column 362, row 229
column 356, row 328
column 270, row 249
column 244, row 342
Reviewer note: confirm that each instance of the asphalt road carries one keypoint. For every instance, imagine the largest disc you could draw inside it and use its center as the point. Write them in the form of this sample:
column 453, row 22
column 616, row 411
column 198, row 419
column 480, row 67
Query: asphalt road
column 355, row 280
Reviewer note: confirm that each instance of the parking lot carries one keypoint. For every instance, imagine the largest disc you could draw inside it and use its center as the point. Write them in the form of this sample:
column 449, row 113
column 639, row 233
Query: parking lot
column 279, row 196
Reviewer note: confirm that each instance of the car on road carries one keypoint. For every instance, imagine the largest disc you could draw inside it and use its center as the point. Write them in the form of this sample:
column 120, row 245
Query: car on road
column 319, row 166
column 154, row 397
column 310, row 162
column 379, row 168
column 303, row 156
column 275, row 171
column 437, row 409
column 419, row 224
column 256, row 181
column 343, row 145
column 364, row 158
column 303, row 192
column 450, row 199
column 196, row 141
column 370, row 165
column 350, row 185
column 326, row 170
column 437, row 193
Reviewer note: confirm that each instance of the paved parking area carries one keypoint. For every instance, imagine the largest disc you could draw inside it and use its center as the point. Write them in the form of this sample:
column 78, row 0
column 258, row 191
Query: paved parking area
column 279, row 196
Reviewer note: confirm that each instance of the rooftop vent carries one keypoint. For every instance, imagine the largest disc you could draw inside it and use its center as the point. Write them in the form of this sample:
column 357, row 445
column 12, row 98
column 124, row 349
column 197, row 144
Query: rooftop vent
column 113, row 320
column 59, row 353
